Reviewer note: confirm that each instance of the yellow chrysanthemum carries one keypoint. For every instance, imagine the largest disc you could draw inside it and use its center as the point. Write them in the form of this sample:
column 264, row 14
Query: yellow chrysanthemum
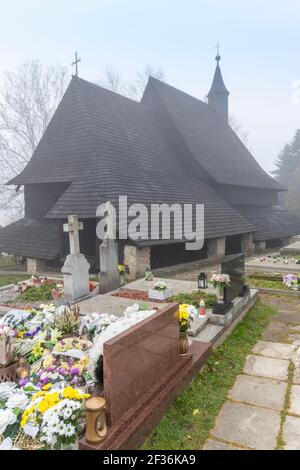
column 48, row 361
column 72, row 394
column 47, row 386
column 84, row 361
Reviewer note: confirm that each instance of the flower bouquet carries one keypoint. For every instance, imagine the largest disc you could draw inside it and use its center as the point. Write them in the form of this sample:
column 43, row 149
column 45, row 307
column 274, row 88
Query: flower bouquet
column 186, row 314
column 53, row 417
column 58, row 369
column 220, row 281
column 291, row 281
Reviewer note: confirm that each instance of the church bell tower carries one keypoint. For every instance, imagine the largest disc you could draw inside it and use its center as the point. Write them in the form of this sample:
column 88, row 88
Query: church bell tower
column 218, row 94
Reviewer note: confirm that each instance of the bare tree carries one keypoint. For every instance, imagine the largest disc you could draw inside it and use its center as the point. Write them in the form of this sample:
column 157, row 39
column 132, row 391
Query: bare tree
column 28, row 99
column 111, row 80
column 238, row 128
column 134, row 88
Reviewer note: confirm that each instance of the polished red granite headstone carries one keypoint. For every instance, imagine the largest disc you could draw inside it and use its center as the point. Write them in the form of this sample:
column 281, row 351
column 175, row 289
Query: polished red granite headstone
column 143, row 374
column 137, row 359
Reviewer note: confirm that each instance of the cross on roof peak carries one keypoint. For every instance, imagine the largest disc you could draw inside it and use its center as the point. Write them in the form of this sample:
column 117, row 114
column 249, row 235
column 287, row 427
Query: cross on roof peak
column 76, row 62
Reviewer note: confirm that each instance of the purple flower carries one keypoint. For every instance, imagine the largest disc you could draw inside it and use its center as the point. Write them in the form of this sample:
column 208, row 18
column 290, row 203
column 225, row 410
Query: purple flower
column 23, row 382
column 74, row 381
column 39, row 372
column 74, row 371
column 45, row 380
column 62, row 371
column 39, row 385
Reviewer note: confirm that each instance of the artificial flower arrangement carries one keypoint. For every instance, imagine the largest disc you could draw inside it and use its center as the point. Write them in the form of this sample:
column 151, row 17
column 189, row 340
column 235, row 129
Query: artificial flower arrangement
column 67, row 320
column 58, row 369
column 53, row 417
column 291, row 280
column 66, row 344
column 12, row 403
column 43, row 343
column 160, row 285
column 93, row 324
column 220, row 280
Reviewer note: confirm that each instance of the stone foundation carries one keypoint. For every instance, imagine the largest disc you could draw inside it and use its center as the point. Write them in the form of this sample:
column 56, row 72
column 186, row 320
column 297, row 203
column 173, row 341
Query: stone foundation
column 247, row 243
column 137, row 259
column 216, row 248
column 36, row 266
column 287, row 241
column 260, row 246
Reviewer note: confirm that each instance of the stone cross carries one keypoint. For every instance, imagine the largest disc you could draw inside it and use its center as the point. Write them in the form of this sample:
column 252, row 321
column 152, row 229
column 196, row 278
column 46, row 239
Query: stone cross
column 73, row 227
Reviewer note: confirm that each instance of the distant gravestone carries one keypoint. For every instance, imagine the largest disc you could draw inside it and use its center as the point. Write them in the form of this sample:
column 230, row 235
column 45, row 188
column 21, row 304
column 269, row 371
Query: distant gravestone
column 109, row 275
column 76, row 268
column 234, row 265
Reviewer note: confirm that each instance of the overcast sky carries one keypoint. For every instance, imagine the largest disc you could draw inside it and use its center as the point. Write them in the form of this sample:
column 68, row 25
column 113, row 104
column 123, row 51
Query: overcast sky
column 260, row 50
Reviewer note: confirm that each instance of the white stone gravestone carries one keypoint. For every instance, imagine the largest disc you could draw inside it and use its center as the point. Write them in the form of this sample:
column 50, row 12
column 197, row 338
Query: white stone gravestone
column 76, row 268
column 109, row 275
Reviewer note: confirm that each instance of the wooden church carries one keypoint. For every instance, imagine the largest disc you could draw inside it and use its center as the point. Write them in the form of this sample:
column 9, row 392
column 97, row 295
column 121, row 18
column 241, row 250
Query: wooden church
column 168, row 148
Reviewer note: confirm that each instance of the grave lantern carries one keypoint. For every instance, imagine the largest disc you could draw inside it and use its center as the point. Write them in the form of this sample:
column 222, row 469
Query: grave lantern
column 202, row 281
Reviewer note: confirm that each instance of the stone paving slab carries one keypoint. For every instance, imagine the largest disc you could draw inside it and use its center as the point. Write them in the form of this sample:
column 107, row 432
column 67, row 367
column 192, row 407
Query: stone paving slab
column 212, row 444
column 291, row 433
column 248, row 425
column 287, row 317
column 276, row 331
column 296, row 378
column 267, row 367
column 259, row 391
column 295, row 400
column 272, row 349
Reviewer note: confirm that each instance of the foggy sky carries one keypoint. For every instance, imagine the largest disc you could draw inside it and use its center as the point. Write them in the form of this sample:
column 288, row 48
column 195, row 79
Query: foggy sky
column 260, row 50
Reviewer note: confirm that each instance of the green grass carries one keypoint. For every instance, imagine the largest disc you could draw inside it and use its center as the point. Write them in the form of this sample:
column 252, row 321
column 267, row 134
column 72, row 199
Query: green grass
column 6, row 279
column 179, row 429
column 267, row 283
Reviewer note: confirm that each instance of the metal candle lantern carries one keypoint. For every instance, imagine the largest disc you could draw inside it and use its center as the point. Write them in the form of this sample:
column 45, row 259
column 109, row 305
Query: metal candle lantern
column 202, row 281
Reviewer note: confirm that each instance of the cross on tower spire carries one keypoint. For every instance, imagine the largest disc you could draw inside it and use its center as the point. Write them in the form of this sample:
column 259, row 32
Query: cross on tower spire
column 76, row 62
column 218, row 47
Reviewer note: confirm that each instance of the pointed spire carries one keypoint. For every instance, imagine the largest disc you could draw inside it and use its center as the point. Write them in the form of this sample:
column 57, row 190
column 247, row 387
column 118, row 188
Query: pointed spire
column 218, row 93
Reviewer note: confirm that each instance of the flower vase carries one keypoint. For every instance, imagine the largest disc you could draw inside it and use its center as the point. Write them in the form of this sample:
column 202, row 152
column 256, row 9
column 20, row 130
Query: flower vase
column 220, row 294
column 183, row 344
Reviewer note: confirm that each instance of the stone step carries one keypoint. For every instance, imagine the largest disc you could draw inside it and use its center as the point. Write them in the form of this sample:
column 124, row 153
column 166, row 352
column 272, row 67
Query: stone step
column 209, row 334
column 197, row 325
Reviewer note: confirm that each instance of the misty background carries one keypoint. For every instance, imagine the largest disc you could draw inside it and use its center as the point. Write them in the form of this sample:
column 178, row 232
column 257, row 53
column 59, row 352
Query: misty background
column 121, row 42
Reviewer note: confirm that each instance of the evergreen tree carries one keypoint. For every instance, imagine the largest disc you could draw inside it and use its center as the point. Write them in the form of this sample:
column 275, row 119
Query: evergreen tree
column 287, row 172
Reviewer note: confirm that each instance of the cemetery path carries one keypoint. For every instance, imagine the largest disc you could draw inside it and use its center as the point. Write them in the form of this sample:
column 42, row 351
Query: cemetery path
column 262, row 410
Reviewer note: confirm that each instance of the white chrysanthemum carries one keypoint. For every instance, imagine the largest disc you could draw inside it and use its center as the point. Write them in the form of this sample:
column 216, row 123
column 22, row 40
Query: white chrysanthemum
column 67, row 412
column 17, row 400
column 7, row 417
column 70, row 430
column 61, row 428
